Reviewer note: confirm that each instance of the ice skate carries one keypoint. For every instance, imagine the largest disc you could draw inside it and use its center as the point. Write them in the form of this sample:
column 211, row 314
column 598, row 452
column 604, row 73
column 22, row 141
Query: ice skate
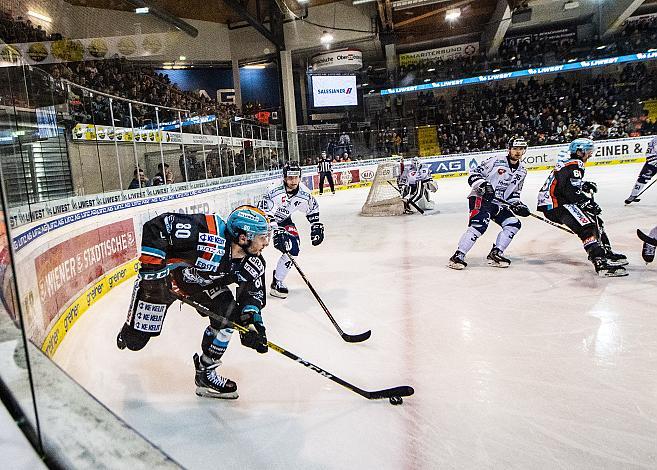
column 496, row 259
column 631, row 199
column 605, row 269
column 616, row 259
column 648, row 252
column 278, row 289
column 212, row 385
column 457, row 261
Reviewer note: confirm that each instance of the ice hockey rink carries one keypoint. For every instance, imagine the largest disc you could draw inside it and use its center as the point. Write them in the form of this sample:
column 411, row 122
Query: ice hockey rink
column 541, row 365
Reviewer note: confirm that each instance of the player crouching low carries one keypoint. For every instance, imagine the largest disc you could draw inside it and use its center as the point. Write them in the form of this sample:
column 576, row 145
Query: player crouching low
column 197, row 256
column 563, row 199
column 496, row 185
column 415, row 182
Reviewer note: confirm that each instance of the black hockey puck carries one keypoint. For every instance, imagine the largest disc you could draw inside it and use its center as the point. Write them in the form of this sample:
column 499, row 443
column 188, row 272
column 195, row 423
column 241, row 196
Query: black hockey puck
column 396, row 400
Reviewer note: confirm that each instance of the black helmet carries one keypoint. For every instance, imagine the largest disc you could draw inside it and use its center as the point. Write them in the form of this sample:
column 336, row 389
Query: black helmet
column 291, row 169
column 517, row 142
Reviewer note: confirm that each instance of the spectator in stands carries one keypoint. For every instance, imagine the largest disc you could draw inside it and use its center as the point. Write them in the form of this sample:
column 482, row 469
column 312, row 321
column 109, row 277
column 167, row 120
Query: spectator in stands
column 139, row 179
column 163, row 177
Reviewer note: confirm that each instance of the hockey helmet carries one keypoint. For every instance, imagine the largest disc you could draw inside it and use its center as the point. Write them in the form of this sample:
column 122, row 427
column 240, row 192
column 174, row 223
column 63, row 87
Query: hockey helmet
column 248, row 220
column 517, row 142
column 582, row 144
column 291, row 169
column 415, row 162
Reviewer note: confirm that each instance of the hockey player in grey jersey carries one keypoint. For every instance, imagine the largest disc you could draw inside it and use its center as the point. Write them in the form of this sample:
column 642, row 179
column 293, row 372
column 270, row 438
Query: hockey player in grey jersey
column 496, row 179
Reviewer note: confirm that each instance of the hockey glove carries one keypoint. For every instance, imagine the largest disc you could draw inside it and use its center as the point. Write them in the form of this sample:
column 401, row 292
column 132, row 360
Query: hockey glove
column 519, row 209
column 590, row 207
column 281, row 240
column 256, row 337
column 317, row 233
column 589, row 187
column 487, row 191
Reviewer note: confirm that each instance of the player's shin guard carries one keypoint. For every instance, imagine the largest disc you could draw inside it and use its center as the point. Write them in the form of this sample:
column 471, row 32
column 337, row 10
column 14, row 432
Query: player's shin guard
column 278, row 287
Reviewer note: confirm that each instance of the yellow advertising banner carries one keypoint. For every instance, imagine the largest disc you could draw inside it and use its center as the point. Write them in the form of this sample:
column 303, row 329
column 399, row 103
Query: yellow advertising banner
column 427, row 140
column 651, row 107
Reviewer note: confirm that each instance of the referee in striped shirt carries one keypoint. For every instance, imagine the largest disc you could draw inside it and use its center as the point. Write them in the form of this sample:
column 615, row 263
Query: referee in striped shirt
column 324, row 168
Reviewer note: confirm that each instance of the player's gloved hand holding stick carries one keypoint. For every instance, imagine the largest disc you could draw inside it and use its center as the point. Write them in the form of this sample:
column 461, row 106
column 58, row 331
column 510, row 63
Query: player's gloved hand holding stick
column 254, row 337
column 393, row 394
column 531, row 214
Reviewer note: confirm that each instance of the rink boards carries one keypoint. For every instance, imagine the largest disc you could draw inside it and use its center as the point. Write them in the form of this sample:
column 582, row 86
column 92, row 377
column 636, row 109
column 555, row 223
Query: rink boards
column 66, row 263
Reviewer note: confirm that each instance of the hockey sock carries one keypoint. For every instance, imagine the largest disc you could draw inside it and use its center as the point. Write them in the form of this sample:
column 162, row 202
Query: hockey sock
column 637, row 189
column 505, row 237
column 214, row 344
column 283, row 267
column 468, row 239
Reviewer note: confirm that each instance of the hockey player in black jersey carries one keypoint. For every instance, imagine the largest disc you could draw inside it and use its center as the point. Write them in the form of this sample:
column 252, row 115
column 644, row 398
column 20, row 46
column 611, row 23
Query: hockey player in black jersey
column 563, row 199
column 198, row 256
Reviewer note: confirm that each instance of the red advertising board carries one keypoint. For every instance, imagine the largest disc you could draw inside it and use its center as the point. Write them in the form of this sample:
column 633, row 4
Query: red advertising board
column 340, row 178
column 67, row 268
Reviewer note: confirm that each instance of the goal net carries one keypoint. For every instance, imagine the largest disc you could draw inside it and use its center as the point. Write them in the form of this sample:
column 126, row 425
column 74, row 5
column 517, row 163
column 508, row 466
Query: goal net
column 383, row 198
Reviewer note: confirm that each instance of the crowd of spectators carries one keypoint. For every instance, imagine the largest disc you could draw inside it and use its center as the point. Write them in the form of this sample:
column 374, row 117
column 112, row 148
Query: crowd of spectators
column 519, row 53
column 553, row 112
column 21, row 30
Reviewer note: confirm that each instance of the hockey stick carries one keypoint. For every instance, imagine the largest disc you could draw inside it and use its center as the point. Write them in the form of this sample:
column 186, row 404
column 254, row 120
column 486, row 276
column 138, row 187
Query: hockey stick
column 646, row 238
column 347, row 337
column 395, row 392
column 536, row 216
column 421, row 211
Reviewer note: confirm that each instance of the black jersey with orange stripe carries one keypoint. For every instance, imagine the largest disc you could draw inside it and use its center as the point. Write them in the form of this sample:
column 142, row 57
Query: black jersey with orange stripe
column 563, row 186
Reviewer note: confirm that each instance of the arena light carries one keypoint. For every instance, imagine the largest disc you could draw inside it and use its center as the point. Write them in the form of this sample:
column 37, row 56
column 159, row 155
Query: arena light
column 326, row 39
column 431, row 70
column 182, row 57
column 254, row 66
column 601, row 47
column 142, row 10
column 39, row 16
column 452, row 14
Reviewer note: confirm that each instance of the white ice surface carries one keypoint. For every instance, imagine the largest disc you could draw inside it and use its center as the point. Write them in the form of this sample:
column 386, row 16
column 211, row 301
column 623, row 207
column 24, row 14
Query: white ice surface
column 541, row 365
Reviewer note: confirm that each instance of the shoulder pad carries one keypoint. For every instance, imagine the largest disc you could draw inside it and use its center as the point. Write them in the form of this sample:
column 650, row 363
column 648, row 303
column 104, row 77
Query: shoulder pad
column 254, row 266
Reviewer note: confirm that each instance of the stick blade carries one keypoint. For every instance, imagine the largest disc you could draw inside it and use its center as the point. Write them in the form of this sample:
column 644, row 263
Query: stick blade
column 357, row 338
column 403, row 391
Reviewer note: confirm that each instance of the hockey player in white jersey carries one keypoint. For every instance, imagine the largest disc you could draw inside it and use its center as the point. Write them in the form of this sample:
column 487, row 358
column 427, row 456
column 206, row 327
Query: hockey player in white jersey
column 415, row 182
column 495, row 180
column 648, row 170
column 279, row 203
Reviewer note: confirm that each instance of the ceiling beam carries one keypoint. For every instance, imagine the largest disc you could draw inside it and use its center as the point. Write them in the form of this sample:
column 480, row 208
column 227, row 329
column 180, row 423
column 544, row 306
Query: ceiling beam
column 437, row 11
column 274, row 36
column 613, row 14
column 493, row 34
column 166, row 17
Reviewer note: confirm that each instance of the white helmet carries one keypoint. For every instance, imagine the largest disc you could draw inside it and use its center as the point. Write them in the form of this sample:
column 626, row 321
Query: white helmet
column 415, row 162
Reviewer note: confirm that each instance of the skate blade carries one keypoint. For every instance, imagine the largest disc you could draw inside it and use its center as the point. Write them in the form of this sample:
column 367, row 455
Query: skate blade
column 209, row 393
column 616, row 273
column 620, row 262
column 497, row 264
column 456, row 266
column 275, row 293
